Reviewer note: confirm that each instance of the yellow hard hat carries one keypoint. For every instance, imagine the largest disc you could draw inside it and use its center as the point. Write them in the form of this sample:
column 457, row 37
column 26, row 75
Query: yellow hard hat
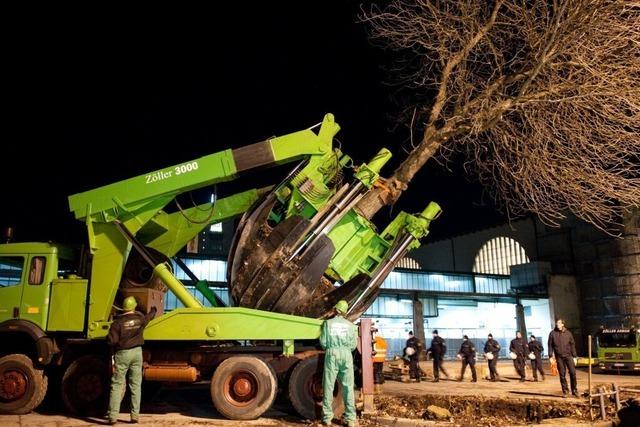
column 342, row 306
column 129, row 304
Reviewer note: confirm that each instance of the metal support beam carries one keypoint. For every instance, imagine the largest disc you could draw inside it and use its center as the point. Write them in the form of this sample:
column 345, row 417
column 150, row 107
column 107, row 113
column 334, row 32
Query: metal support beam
column 366, row 354
column 418, row 320
column 603, row 411
column 201, row 285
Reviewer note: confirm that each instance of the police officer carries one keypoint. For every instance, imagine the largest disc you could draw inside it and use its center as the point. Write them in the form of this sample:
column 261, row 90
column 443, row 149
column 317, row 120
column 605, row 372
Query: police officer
column 562, row 348
column 536, row 348
column 468, row 355
column 338, row 337
column 415, row 345
column 520, row 348
column 492, row 352
column 438, row 350
column 125, row 339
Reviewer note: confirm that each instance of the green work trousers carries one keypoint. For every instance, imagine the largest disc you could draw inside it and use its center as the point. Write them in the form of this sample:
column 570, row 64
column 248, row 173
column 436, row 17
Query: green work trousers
column 338, row 363
column 128, row 367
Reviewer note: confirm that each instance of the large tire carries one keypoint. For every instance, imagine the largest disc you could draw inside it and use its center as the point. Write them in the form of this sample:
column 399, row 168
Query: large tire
column 22, row 387
column 243, row 388
column 305, row 390
column 85, row 386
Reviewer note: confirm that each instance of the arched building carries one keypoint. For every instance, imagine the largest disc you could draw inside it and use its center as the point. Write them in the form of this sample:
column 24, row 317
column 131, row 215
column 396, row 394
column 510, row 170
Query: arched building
column 586, row 276
column 463, row 287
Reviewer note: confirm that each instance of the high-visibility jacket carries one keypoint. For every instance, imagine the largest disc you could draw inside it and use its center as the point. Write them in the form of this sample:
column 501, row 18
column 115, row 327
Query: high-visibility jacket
column 380, row 348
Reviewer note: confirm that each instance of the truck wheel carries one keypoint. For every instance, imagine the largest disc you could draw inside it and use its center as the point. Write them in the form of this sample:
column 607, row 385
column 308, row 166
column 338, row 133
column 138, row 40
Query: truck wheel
column 305, row 390
column 243, row 388
column 22, row 387
column 85, row 386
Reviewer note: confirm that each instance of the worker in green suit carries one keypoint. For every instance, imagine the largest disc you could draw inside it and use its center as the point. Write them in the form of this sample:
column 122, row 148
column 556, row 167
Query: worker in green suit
column 338, row 338
column 125, row 338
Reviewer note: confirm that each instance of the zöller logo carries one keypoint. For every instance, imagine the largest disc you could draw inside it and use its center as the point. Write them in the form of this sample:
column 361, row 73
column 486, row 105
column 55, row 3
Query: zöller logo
column 178, row 170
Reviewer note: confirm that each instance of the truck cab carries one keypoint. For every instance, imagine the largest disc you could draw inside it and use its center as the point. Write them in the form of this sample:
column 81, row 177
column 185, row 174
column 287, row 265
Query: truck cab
column 35, row 299
column 26, row 273
column 618, row 349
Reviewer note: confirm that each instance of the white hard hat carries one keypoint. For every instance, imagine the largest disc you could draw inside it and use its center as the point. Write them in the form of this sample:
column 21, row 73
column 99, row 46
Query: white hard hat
column 512, row 355
column 532, row 356
column 410, row 351
column 489, row 356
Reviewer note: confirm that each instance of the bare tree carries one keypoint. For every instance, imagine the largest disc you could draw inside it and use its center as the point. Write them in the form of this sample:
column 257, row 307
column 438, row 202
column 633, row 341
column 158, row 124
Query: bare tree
column 542, row 97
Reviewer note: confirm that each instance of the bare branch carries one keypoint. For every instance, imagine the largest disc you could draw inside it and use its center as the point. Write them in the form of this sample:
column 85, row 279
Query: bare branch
column 542, row 97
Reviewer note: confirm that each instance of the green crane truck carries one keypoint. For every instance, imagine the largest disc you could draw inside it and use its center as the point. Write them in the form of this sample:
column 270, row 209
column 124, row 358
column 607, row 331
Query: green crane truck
column 56, row 304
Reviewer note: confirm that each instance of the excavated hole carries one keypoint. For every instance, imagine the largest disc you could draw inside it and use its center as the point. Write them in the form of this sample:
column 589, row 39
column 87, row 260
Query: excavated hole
column 480, row 410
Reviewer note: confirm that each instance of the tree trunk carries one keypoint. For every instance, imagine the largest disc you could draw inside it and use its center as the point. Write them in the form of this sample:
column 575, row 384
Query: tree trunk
column 388, row 194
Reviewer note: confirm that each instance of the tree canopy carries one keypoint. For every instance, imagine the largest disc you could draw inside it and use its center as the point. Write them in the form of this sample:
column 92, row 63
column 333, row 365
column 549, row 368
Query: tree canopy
column 541, row 97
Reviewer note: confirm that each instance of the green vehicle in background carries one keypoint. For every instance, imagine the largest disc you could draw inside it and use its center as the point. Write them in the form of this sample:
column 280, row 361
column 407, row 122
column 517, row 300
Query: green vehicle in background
column 56, row 304
column 618, row 349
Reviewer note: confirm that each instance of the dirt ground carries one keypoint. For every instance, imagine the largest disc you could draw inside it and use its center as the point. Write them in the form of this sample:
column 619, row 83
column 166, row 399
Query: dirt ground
column 470, row 403
column 505, row 402
column 181, row 406
column 508, row 387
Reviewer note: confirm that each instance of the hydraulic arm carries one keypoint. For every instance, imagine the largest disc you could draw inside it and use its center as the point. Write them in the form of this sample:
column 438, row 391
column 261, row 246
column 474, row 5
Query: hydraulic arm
column 294, row 244
column 305, row 247
column 130, row 213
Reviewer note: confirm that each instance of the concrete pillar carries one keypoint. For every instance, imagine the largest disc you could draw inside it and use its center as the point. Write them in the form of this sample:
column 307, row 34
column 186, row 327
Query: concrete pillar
column 564, row 303
column 418, row 320
column 521, row 325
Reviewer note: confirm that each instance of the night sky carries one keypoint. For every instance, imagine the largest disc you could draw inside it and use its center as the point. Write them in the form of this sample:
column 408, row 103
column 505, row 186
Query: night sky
column 96, row 96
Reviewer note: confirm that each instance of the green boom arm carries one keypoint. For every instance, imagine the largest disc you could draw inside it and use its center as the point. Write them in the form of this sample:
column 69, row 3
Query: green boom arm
column 129, row 198
column 137, row 204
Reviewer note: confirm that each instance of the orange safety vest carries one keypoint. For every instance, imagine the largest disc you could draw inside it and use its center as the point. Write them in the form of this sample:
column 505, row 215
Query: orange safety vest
column 380, row 347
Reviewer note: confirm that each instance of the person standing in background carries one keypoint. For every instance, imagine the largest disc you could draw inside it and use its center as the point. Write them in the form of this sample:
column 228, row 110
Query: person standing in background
column 536, row 349
column 412, row 349
column 562, row 350
column 492, row 352
column 520, row 349
column 468, row 355
column 380, row 350
column 438, row 350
